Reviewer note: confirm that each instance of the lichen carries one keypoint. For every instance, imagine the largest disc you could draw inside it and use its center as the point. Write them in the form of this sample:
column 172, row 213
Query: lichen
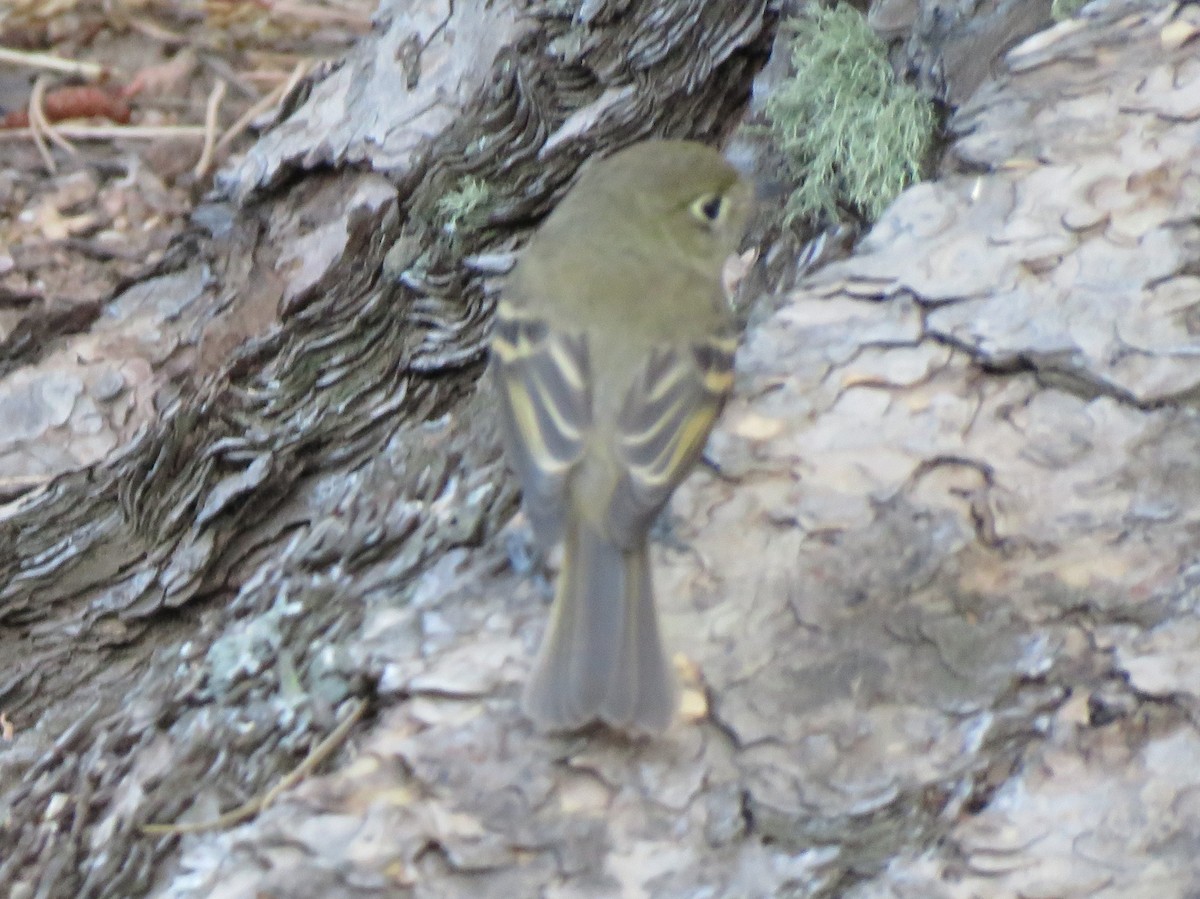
column 461, row 209
column 1064, row 9
column 853, row 137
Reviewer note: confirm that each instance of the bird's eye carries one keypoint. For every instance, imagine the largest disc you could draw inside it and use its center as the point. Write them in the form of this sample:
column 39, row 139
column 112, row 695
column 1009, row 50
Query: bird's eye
column 708, row 208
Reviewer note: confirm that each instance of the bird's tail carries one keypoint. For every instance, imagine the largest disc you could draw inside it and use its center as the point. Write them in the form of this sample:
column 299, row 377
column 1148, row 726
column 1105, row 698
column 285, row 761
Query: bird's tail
column 602, row 657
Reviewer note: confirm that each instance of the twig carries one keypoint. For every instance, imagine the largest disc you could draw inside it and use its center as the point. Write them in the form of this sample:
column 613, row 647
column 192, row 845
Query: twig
column 43, row 118
column 317, row 15
column 275, row 96
column 38, row 126
column 210, row 128
column 157, row 32
column 223, row 70
column 73, row 102
column 49, row 62
column 271, row 76
column 316, row 755
column 112, row 132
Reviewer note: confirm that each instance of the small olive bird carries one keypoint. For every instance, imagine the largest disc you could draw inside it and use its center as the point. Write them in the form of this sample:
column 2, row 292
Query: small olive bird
column 612, row 357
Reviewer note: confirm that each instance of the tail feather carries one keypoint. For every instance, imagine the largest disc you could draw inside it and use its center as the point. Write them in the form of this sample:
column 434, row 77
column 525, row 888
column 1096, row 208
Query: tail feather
column 602, row 657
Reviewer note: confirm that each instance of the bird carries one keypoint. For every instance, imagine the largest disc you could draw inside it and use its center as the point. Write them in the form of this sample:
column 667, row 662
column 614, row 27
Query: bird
column 611, row 356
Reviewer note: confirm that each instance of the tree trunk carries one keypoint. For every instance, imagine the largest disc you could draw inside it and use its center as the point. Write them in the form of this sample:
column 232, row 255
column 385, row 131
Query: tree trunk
column 176, row 620
column 934, row 599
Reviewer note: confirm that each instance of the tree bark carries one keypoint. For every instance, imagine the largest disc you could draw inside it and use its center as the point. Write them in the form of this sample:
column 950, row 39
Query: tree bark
column 933, row 601
column 175, row 619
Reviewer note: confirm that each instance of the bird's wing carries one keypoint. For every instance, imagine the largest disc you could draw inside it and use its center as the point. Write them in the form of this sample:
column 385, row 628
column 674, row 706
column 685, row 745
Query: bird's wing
column 663, row 425
column 543, row 380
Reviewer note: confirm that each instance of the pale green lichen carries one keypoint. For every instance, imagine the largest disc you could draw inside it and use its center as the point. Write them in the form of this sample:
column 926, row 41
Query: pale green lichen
column 1064, row 9
column 461, row 209
column 852, row 136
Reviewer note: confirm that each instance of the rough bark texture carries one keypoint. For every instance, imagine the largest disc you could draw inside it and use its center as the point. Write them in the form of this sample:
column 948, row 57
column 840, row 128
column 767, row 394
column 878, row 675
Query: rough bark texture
column 935, row 604
column 950, row 47
column 288, row 401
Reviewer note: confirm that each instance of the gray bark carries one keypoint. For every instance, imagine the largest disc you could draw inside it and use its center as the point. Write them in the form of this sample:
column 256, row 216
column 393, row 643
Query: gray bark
column 177, row 620
column 934, row 603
